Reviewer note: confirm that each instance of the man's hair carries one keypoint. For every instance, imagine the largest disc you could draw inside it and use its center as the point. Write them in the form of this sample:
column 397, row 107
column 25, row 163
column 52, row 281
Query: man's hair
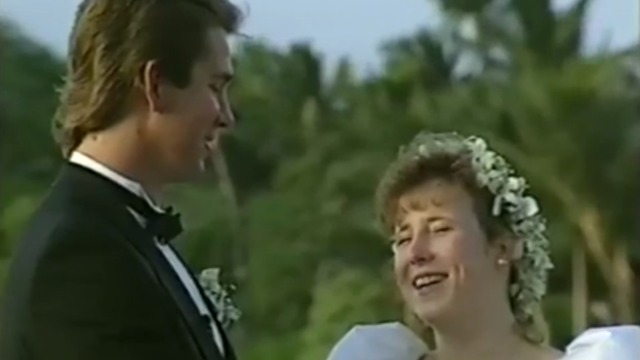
column 110, row 42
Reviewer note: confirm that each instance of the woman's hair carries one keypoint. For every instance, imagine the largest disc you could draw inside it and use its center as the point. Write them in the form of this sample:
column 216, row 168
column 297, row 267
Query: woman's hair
column 453, row 169
column 410, row 171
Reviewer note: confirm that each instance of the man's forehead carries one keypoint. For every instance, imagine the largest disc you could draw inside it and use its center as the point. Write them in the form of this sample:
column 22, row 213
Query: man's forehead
column 218, row 40
column 219, row 54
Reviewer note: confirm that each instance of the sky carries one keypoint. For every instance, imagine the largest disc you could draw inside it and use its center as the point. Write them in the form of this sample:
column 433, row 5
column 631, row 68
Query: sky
column 337, row 28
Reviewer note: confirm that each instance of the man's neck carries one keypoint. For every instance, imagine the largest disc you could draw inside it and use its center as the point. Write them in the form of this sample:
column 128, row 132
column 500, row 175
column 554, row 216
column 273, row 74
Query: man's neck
column 123, row 160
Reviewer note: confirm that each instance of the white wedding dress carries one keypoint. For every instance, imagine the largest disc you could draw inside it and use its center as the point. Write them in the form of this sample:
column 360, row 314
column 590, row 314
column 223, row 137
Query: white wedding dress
column 393, row 341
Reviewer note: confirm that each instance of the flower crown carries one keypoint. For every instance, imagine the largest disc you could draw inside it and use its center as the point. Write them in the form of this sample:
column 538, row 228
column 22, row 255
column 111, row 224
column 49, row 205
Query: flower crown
column 519, row 211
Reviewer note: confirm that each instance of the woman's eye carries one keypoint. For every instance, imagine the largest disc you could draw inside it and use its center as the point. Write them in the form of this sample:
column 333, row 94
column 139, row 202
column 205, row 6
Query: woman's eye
column 441, row 229
column 400, row 241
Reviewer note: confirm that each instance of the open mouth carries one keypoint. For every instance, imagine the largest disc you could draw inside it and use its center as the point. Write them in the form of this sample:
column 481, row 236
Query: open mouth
column 428, row 280
column 210, row 143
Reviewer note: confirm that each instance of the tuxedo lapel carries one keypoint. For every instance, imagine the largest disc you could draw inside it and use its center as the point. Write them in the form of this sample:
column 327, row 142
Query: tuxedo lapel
column 228, row 349
column 166, row 275
column 105, row 195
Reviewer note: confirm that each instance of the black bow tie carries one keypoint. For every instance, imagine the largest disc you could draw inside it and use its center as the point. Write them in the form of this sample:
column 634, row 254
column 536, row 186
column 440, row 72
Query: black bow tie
column 164, row 226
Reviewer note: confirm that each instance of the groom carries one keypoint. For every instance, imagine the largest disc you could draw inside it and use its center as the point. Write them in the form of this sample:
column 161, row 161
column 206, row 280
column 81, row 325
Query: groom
column 95, row 276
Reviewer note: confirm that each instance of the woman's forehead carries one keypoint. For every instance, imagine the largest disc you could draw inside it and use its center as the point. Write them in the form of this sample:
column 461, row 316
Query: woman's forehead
column 433, row 194
column 433, row 199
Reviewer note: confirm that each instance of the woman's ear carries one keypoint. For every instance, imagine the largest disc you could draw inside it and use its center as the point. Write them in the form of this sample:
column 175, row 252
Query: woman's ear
column 508, row 249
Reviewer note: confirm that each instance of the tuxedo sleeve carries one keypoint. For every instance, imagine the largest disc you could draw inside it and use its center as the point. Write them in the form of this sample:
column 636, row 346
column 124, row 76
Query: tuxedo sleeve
column 92, row 298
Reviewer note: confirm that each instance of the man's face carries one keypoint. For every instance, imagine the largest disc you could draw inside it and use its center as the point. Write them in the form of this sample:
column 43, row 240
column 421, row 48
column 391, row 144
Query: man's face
column 185, row 124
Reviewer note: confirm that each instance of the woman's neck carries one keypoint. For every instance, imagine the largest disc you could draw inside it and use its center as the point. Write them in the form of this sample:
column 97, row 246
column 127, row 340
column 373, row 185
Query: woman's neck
column 484, row 335
column 488, row 345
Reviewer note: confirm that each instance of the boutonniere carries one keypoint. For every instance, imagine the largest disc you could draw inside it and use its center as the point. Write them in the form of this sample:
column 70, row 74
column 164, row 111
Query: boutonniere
column 226, row 311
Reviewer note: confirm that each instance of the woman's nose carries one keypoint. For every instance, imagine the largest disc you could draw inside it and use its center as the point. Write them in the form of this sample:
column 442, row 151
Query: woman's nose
column 420, row 251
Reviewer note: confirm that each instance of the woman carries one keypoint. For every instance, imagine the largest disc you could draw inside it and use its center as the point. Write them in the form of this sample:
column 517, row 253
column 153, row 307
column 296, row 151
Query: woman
column 471, row 261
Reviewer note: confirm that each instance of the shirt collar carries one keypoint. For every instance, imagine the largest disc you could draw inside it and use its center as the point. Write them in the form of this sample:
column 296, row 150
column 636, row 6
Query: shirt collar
column 83, row 160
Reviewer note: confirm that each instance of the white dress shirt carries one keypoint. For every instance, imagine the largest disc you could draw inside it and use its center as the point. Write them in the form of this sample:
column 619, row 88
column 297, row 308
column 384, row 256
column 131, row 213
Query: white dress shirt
column 168, row 252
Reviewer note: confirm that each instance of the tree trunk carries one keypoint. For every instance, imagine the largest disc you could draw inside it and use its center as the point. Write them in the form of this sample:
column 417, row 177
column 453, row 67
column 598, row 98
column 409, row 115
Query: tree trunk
column 623, row 281
column 579, row 288
column 238, row 252
column 613, row 266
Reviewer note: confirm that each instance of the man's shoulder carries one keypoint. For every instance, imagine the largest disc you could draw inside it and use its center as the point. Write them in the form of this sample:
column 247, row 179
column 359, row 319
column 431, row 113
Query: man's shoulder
column 66, row 223
column 57, row 235
column 55, row 217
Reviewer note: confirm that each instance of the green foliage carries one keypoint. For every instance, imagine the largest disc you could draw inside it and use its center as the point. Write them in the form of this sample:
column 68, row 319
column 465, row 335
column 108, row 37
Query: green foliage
column 556, row 308
column 365, row 297
column 30, row 74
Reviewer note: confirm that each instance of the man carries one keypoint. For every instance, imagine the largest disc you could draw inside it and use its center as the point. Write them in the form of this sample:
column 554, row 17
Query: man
column 145, row 102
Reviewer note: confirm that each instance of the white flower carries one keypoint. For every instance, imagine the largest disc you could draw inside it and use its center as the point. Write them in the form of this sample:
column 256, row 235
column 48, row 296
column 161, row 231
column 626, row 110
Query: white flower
column 226, row 312
column 210, row 279
column 528, row 206
column 497, row 206
column 477, row 144
column 515, row 184
column 422, row 150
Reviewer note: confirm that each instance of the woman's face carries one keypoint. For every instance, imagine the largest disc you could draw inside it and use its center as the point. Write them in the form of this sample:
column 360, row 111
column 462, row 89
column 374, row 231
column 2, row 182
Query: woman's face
column 443, row 263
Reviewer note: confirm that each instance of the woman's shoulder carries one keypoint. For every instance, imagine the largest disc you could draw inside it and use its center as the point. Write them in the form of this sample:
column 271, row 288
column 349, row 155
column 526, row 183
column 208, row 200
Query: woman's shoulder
column 606, row 343
column 385, row 341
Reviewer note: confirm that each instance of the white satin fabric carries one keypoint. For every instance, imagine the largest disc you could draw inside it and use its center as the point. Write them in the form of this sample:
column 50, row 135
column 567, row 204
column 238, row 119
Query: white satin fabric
column 394, row 341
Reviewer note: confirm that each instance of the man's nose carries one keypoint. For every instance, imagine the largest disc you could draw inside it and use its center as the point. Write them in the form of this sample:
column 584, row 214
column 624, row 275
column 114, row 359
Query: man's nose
column 227, row 115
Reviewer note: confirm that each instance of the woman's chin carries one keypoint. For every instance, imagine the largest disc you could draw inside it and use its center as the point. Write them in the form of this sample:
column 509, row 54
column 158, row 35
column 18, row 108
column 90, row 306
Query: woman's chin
column 429, row 313
column 432, row 310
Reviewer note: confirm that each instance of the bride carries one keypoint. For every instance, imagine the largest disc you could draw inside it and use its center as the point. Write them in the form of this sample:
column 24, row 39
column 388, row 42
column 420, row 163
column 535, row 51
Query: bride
column 471, row 260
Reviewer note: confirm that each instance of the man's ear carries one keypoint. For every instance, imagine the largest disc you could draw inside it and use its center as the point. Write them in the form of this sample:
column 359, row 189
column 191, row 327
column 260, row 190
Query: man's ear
column 153, row 87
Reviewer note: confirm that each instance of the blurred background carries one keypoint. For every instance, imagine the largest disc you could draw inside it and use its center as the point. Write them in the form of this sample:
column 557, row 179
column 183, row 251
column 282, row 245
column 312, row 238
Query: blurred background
column 327, row 91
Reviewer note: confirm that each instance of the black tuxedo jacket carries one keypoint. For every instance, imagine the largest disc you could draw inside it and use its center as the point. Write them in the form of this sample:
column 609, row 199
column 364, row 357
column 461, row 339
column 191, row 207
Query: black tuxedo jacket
column 88, row 283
